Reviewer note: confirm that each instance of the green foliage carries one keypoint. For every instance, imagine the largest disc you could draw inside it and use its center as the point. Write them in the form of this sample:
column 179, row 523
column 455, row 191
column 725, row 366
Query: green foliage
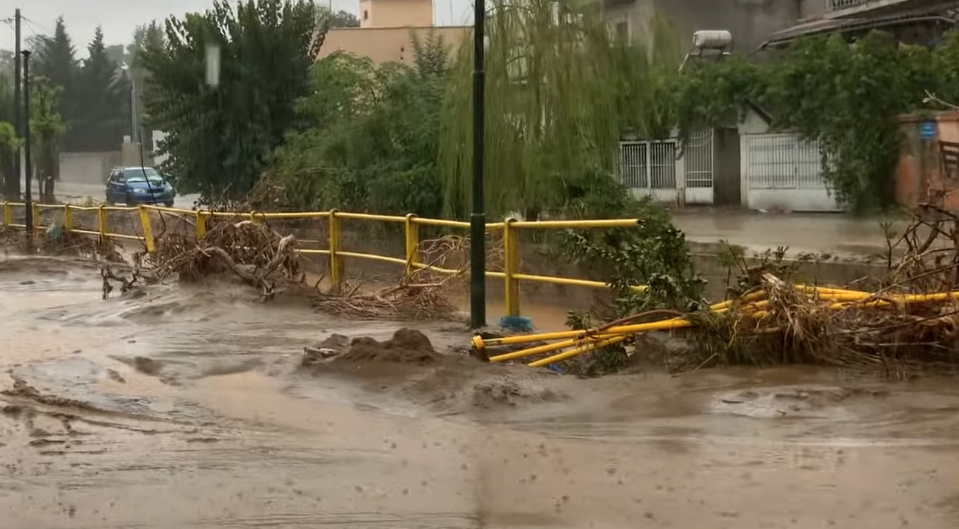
column 47, row 129
column 559, row 94
column 55, row 60
column 102, row 97
column 8, row 146
column 151, row 34
column 369, row 135
column 653, row 254
column 341, row 19
column 221, row 137
column 844, row 96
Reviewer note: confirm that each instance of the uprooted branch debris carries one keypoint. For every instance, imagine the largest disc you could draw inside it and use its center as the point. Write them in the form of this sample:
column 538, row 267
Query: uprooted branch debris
column 251, row 251
column 911, row 319
column 422, row 294
column 258, row 256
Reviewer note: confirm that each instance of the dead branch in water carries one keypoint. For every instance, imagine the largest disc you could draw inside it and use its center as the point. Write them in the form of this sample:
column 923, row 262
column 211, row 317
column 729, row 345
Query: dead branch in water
column 251, row 251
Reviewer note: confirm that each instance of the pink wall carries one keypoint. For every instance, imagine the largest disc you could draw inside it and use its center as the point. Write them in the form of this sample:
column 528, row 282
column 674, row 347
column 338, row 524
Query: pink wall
column 919, row 175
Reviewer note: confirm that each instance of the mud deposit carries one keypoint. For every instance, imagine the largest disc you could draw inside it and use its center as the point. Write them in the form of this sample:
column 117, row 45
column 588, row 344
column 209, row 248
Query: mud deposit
column 199, row 408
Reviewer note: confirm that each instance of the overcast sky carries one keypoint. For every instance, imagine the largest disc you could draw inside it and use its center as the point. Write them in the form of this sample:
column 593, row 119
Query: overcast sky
column 119, row 17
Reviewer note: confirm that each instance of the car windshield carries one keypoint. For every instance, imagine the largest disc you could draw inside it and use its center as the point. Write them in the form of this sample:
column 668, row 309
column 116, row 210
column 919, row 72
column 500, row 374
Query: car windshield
column 141, row 175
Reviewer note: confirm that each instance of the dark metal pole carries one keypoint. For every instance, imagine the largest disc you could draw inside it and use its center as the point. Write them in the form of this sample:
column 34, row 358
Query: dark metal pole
column 478, row 218
column 13, row 186
column 27, row 194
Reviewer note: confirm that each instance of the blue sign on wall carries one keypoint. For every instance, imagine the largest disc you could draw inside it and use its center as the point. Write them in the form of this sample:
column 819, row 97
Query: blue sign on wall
column 927, row 130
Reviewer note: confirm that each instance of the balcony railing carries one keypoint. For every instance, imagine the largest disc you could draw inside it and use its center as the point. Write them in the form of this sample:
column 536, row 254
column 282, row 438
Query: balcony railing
column 836, row 5
column 858, row 6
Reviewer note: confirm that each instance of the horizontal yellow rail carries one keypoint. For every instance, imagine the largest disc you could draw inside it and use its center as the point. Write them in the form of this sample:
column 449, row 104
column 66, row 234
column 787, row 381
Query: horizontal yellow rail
column 412, row 223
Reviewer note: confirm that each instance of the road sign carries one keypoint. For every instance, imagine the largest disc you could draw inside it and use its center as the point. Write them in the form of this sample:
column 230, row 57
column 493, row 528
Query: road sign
column 927, row 130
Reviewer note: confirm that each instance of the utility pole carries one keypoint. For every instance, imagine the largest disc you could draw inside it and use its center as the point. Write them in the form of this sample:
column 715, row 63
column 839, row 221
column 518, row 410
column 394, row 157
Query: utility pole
column 13, row 187
column 478, row 217
column 27, row 195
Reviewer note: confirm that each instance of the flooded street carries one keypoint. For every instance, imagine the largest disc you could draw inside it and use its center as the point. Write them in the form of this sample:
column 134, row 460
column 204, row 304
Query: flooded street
column 188, row 407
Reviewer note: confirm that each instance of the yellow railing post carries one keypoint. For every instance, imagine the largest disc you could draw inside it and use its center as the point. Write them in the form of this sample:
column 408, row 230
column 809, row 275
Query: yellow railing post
column 147, row 227
column 254, row 217
column 37, row 225
column 200, row 225
column 336, row 262
column 412, row 244
column 511, row 267
column 102, row 223
column 7, row 214
column 67, row 218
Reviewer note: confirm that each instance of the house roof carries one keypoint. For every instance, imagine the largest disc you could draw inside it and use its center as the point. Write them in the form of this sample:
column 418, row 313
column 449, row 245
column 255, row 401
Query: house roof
column 822, row 26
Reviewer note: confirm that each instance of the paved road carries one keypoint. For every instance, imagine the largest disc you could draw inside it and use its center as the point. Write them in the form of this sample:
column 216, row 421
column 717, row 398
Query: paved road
column 837, row 234
column 77, row 193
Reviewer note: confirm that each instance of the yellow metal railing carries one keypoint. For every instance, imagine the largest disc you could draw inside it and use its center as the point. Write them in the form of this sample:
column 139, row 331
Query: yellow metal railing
column 511, row 274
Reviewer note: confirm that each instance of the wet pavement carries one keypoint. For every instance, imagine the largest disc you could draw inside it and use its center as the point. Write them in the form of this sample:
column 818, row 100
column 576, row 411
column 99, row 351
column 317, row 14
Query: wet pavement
column 186, row 407
column 831, row 233
column 836, row 234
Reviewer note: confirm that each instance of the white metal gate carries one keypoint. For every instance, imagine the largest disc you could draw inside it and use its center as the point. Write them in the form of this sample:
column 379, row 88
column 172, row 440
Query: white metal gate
column 649, row 168
column 781, row 171
column 654, row 168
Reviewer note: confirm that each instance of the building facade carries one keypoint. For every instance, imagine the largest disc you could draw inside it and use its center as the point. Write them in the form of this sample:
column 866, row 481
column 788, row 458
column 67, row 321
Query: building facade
column 387, row 29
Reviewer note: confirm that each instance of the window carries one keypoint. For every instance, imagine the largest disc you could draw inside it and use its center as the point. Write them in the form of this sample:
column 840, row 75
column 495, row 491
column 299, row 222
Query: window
column 622, row 31
column 366, row 15
column 143, row 174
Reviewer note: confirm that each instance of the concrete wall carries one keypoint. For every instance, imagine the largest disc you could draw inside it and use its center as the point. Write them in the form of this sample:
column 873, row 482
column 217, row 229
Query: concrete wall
column 750, row 21
column 88, row 167
column 635, row 15
column 388, row 44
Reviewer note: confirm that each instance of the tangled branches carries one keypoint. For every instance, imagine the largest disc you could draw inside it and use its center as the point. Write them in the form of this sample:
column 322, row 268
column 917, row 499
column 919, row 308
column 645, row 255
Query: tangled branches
column 251, row 251
column 423, row 293
column 406, row 301
column 912, row 319
column 57, row 242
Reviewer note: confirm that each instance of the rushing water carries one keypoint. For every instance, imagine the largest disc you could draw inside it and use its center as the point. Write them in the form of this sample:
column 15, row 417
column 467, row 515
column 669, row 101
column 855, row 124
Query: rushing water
column 184, row 408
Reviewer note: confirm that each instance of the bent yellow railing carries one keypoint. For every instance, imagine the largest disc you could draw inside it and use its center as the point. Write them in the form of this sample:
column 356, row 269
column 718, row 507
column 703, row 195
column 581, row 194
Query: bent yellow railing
column 511, row 274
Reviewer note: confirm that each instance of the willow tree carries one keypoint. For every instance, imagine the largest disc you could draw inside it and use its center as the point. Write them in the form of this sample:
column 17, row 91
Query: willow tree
column 561, row 90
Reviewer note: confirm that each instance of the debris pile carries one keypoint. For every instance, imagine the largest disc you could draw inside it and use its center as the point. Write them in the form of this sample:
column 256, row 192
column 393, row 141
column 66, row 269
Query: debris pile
column 407, row 346
column 911, row 320
column 249, row 250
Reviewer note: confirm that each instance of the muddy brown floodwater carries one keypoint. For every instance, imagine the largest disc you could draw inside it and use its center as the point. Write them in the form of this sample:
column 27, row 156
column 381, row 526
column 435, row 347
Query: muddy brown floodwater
column 187, row 407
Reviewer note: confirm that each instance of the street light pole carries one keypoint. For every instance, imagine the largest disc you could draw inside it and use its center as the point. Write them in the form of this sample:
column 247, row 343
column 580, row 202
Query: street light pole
column 13, row 188
column 478, row 217
column 27, row 192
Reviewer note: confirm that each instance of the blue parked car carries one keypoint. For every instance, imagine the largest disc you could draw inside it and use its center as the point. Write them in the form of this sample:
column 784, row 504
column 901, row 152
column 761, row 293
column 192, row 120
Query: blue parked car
column 139, row 185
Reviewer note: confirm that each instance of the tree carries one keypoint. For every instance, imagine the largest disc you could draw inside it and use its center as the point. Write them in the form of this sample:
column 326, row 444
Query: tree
column 146, row 35
column 47, row 130
column 370, row 135
column 560, row 91
column 55, row 60
column 8, row 146
column 103, row 95
column 9, row 181
column 344, row 19
column 219, row 138
column 117, row 53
